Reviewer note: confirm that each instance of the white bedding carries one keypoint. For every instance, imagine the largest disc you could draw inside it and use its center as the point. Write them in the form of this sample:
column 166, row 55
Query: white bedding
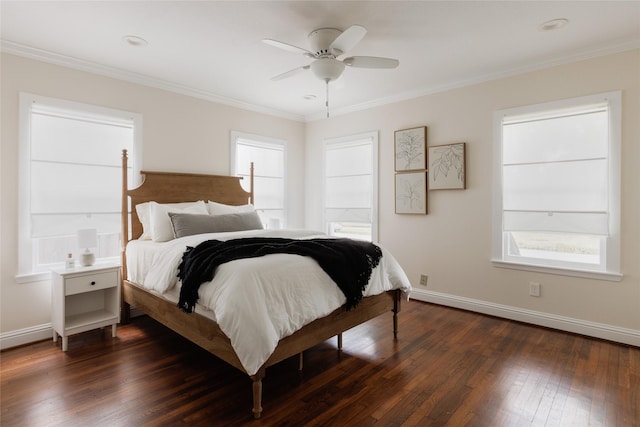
column 256, row 301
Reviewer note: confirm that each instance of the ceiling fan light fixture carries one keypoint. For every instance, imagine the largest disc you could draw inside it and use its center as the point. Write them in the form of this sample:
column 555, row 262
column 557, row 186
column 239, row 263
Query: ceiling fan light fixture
column 327, row 69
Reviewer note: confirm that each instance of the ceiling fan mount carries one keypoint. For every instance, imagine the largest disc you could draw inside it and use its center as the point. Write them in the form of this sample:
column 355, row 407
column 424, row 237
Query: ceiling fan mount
column 320, row 42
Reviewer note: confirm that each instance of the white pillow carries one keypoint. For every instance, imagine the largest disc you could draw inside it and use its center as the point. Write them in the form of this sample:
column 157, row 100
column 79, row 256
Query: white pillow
column 142, row 210
column 221, row 209
column 144, row 215
column 160, row 223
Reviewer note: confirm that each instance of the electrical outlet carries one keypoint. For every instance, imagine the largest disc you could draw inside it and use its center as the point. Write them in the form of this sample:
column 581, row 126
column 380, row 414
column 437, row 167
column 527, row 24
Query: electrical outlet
column 534, row 289
column 423, row 279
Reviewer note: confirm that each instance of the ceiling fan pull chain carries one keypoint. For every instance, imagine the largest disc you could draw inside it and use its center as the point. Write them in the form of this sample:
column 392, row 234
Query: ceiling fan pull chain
column 327, row 98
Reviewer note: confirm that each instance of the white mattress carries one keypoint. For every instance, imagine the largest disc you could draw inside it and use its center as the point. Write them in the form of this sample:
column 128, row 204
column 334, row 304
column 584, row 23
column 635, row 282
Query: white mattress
column 255, row 301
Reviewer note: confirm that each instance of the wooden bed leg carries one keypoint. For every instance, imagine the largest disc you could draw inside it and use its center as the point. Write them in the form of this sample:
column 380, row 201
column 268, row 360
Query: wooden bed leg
column 339, row 341
column 395, row 324
column 300, row 361
column 257, row 393
column 396, row 309
column 125, row 313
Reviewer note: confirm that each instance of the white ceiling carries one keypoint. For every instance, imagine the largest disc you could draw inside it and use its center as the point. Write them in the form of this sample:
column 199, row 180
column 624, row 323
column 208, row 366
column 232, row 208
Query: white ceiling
column 213, row 49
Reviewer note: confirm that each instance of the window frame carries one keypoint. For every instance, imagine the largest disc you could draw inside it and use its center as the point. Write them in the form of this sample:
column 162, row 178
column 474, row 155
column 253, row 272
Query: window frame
column 612, row 243
column 373, row 135
column 26, row 247
column 267, row 141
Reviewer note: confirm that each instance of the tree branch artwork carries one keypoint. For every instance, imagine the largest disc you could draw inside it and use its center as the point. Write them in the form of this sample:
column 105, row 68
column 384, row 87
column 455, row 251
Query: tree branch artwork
column 411, row 194
column 447, row 167
column 410, row 149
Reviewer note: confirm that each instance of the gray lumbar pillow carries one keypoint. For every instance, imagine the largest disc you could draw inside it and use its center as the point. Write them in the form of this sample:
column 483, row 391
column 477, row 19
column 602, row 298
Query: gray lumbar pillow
column 190, row 224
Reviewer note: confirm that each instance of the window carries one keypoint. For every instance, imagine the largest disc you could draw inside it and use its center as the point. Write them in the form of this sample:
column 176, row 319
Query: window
column 557, row 203
column 351, row 186
column 269, row 158
column 70, row 179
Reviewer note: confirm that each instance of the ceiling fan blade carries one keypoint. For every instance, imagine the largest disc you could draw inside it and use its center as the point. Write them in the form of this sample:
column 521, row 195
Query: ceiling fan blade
column 370, row 62
column 290, row 73
column 288, row 47
column 347, row 39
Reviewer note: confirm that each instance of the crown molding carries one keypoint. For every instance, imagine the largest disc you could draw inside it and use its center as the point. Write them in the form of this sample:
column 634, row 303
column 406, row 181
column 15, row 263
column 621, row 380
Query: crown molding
column 141, row 79
column 592, row 52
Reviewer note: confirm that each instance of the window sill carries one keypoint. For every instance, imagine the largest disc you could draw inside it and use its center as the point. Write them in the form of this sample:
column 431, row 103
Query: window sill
column 598, row 275
column 42, row 276
column 33, row 277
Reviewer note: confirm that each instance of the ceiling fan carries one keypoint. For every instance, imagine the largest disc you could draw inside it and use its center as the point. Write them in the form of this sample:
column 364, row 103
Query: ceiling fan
column 327, row 44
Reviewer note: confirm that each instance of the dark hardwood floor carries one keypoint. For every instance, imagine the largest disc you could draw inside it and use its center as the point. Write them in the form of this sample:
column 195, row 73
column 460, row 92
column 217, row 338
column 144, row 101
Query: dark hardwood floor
column 447, row 367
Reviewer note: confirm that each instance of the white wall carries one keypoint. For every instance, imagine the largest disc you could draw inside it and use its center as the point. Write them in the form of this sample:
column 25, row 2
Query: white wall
column 180, row 133
column 452, row 244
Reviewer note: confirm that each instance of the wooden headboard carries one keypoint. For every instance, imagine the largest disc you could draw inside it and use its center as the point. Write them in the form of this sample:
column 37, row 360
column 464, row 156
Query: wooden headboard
column 172, row 187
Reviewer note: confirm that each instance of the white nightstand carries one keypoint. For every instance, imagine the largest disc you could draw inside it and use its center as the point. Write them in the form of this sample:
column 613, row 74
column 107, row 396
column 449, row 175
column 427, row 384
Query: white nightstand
column 84, row 298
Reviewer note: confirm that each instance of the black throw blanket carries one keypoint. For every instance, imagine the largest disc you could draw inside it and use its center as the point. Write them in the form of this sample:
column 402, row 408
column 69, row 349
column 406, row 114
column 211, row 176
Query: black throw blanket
column 348, row 262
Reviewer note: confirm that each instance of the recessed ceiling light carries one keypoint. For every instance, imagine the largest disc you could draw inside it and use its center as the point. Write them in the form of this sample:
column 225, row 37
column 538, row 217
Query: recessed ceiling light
column 554, row 24
column 135, row 41
column 309, row 97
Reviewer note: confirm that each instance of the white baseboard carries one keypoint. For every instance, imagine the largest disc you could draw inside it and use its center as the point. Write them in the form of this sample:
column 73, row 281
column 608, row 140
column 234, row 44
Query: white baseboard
column 36, row 333
column 592, row 329
column 583, row 327
column 26, row 336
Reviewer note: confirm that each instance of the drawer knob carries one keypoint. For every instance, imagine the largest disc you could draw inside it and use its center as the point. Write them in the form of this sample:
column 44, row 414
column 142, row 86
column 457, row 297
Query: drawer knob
column 93, row 283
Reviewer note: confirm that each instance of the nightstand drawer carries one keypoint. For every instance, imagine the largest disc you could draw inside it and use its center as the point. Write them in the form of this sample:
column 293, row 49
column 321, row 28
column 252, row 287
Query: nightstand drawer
column 91, row 282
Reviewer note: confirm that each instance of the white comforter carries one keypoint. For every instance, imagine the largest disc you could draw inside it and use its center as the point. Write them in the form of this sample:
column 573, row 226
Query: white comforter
column 258, row 301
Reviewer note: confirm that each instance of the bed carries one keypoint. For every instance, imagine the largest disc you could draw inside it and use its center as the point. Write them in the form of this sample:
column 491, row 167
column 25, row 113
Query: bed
column 206, row 327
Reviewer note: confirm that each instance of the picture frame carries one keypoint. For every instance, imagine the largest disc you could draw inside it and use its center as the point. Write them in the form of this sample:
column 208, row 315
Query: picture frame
column 447, row 167
column 411, row 193
column 410, row 147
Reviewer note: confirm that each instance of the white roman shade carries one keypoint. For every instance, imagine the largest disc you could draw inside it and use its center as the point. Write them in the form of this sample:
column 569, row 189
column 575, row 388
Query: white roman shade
column 555, row 171
column 269, row 158
column 75, row 171
column 349, row 181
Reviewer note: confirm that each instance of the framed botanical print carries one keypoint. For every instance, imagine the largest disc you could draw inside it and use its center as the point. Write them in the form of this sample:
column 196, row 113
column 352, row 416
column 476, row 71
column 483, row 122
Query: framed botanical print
column 410, row 149
column 447, row 167
column 411, row 193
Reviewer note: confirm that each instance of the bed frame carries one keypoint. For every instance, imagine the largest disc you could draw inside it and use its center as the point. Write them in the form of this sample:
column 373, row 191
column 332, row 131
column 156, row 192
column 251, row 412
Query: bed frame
column 169, row 187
